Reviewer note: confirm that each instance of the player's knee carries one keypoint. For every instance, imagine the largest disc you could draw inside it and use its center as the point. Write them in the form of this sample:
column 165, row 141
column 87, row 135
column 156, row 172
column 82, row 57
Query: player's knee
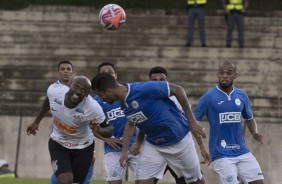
column 65, row 179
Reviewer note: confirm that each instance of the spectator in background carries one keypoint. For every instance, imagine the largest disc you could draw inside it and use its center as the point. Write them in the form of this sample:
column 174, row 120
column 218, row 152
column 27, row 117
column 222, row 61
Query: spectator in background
column 5, row 172
column 196, row 10
column 235, row 11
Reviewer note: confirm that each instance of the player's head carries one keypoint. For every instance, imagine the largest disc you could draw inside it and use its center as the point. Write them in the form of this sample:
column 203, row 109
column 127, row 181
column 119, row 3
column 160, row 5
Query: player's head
column 80, row 88
column 65, row 71
column 105, row 86
column 158, row 73
column 226, row 74
column 108, row 67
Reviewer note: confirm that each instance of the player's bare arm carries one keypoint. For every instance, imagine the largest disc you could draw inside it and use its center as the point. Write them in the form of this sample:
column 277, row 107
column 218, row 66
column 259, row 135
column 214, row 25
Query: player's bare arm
column 127, row 135
column 180, row 94
column 252, row 126
column 135, row 148
column 104, row 129
column 113, row 142
column 33, row 127
column 204, row 153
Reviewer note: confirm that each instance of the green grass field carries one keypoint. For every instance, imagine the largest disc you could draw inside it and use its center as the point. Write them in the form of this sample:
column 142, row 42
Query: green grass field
column 47, row 181
column 41, row 181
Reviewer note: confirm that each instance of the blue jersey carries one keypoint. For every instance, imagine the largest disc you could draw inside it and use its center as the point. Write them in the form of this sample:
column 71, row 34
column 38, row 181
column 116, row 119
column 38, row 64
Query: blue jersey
column 224, row 113
column 116, row 117
column 147, row 104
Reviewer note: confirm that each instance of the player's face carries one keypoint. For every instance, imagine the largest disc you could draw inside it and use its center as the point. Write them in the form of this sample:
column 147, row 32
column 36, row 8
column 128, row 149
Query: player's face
column 109, row 70
column 79, row 89
column 226, row 74
column 106, row 96
column 65, row 72
column 158, row 77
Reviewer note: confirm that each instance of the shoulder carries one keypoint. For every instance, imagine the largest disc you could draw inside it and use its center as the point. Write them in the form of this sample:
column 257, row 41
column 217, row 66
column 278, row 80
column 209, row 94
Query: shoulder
column 240, row 92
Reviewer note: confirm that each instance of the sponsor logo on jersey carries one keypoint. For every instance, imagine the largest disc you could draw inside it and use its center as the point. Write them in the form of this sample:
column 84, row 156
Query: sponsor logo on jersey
column 79, row 110
column 219, row 103
column 53, row 109
column 64, row 127
column 70, row 144
column 229, row 146
column 58, row 101
column 114, row 114
column 137, row 117
column 230, row 117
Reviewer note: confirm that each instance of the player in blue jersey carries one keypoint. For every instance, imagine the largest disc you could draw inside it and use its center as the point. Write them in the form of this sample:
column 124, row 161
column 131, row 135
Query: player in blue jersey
column 115, row 116
column 167, row 137
column 225, row 106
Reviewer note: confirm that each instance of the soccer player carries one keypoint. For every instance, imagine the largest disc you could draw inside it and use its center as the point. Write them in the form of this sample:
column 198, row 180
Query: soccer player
column 71, row 144
column 167, row 138
column 116, row 117
column 225, row 106
column 65, row 74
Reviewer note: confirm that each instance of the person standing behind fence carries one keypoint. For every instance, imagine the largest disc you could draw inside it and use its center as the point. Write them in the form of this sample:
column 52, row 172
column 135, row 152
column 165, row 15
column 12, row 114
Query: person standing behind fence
column 225, row 106
column 196, row 10
column 5, row 172
column 235, row 11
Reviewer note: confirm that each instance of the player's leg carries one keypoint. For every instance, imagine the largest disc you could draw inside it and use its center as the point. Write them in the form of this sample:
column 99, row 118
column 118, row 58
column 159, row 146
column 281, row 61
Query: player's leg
column 81, row 161
column 114, row 172
column 249, row 169
column 183, row 159
column 178, row 180
column 191, row 21
column 240, row 28
column 150, row 165
column 61, row 162
column 89, row 175
column 230, row 27
column 53, row 179
column 226, row 170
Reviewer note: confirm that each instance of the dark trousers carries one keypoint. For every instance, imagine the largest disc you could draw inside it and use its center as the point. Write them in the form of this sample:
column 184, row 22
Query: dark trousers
column 232, row 20
column 199, row 14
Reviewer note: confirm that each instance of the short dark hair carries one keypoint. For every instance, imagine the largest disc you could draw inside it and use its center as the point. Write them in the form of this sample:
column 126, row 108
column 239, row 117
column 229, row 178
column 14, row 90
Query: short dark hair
column 103, row 81
column 64, row 62
column 157, row 69
column 106, row 64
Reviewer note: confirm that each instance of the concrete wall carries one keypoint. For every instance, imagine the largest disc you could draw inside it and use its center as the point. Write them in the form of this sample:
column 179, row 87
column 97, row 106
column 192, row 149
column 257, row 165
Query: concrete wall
column 34, row 159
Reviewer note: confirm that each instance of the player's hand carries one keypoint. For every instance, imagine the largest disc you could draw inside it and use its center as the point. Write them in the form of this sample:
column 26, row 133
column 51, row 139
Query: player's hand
column 206, row 156
column 114, row 143
column 94, row 126
column 32, row 128
column 135, row 148
column 258, row 137
column 123, row 159
column 198, row 129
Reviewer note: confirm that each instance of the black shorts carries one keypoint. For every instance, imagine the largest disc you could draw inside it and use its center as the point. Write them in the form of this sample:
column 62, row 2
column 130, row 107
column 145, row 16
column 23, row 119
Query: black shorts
column 75, row 161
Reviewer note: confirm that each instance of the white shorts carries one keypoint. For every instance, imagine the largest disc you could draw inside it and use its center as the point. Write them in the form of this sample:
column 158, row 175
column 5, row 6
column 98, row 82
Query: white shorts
column 245, row 166
column 181, row 157
column 112, row 166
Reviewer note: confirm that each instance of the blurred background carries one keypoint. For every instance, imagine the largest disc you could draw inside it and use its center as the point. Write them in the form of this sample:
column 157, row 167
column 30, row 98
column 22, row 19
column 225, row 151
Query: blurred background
column 36, row 34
